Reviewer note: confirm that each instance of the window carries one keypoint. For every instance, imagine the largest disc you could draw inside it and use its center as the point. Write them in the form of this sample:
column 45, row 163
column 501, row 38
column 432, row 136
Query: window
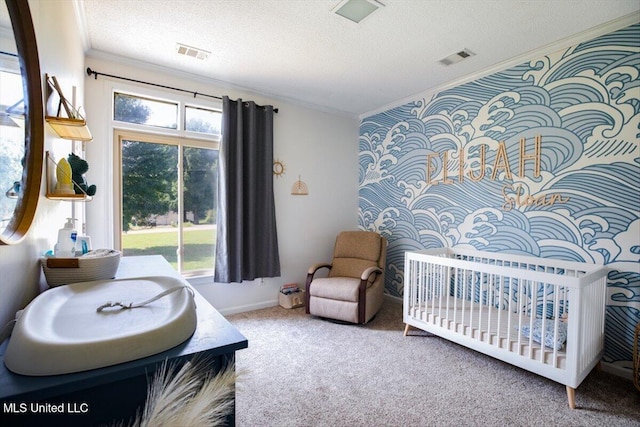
column 11, row 140
column 145, row 111
column 203, row 120
column 168, row 183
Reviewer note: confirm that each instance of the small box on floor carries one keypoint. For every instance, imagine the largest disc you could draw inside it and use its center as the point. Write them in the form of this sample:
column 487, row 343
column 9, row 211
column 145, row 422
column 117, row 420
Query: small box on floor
column 291, row 296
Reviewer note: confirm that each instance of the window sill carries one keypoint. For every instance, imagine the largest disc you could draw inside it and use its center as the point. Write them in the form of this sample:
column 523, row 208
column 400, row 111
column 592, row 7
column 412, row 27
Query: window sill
column 200, row 280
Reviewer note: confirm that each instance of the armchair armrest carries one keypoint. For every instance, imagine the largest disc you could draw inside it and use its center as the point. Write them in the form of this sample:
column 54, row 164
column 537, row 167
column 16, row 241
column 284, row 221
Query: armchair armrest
column 315, row 267
column 362, row 290
column 369, row 271
column 310, row 273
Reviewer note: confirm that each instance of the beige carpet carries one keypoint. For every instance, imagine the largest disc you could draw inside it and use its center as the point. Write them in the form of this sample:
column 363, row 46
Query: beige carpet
column 304, row 371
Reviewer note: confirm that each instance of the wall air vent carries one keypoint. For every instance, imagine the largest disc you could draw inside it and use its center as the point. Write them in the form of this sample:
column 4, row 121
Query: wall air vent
column 192, row 52
column 456, row 57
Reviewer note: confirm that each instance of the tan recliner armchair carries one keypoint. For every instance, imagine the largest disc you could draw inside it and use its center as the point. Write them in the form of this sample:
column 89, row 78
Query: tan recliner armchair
column 353, row 291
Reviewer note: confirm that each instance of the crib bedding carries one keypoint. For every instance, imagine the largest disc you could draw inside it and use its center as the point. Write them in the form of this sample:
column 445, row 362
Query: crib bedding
column 551, row 334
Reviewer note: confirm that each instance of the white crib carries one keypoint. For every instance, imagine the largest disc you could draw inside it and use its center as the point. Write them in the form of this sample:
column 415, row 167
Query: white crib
column 506, row 305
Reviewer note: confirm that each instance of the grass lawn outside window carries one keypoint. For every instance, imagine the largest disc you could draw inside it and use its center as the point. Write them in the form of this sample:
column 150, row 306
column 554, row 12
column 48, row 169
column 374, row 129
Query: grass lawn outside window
column 199, row 243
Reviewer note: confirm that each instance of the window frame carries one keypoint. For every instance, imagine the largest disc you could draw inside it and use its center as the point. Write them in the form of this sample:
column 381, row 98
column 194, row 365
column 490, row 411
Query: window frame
column 155, row 134
column 151, row 99
column 164, row 96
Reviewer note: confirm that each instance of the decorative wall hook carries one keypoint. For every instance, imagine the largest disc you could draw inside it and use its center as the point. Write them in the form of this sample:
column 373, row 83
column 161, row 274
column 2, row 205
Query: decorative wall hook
column 299, row 188
column 278, row 168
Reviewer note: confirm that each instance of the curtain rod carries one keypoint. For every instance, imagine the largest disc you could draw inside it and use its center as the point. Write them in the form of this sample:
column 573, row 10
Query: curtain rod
column 96, row 74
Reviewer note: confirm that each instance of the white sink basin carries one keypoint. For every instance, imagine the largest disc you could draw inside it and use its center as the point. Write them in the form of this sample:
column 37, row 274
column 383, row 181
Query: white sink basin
column 61, row 331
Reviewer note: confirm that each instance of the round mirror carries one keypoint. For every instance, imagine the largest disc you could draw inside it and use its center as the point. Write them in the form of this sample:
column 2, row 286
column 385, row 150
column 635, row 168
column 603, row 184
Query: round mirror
column 21, row 122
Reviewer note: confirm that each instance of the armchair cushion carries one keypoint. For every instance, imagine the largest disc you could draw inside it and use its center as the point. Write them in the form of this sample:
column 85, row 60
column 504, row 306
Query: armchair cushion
column 339, row 288
column 350, row 267
column 356, row 244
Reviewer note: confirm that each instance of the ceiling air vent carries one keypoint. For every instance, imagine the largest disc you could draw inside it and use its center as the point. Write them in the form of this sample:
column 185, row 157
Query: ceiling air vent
column 456, row 57
column 357, row 10
column 193, row 52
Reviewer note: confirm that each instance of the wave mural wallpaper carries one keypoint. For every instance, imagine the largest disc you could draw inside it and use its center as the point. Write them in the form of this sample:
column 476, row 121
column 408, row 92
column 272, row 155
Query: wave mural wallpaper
column 541, row 159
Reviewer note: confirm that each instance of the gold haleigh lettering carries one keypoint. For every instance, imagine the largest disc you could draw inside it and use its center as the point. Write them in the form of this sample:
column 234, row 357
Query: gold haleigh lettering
column 519, row 200
column 501, row 162
column 483, row 159
column 535, row 157
column 445, row 168
column 514, row 197
column 431, row 156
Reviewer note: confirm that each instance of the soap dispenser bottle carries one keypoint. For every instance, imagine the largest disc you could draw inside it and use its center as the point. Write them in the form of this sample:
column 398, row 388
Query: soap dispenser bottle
column 66, row 246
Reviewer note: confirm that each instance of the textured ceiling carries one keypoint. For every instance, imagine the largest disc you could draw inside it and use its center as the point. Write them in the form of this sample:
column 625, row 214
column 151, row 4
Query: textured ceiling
column 301, row 51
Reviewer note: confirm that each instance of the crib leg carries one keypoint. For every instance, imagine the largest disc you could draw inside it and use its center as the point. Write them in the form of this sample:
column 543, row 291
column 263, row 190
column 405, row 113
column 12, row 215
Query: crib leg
column 571, row 395
column 406, row 329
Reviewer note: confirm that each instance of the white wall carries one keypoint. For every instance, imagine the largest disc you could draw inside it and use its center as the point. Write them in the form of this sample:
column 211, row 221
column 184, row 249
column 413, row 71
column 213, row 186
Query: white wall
column 61, row 55
column 320, row 147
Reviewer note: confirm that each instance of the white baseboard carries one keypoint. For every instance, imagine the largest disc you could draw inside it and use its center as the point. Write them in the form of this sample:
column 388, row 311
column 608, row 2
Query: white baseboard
column 272, row 303
column 395, row 300
column 626, row 373
column 250, row 307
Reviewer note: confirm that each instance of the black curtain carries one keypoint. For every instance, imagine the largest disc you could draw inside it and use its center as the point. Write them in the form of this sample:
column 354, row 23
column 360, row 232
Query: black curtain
column 247, row 241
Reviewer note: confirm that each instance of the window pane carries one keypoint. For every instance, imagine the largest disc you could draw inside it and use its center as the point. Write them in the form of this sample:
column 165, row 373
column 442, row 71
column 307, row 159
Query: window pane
column 203, row 120
column 200, row 184
column 145, row 111
column 149, row 202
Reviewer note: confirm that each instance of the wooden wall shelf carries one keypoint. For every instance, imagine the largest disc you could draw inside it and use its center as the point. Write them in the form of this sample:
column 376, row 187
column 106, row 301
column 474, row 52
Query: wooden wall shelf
column 73, row 129
column 68, row 197
column 51, row 166
column 74, row 126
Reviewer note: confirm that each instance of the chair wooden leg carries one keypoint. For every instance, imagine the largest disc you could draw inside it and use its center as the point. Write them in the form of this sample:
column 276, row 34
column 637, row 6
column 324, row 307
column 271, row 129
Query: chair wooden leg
column 571, row 395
